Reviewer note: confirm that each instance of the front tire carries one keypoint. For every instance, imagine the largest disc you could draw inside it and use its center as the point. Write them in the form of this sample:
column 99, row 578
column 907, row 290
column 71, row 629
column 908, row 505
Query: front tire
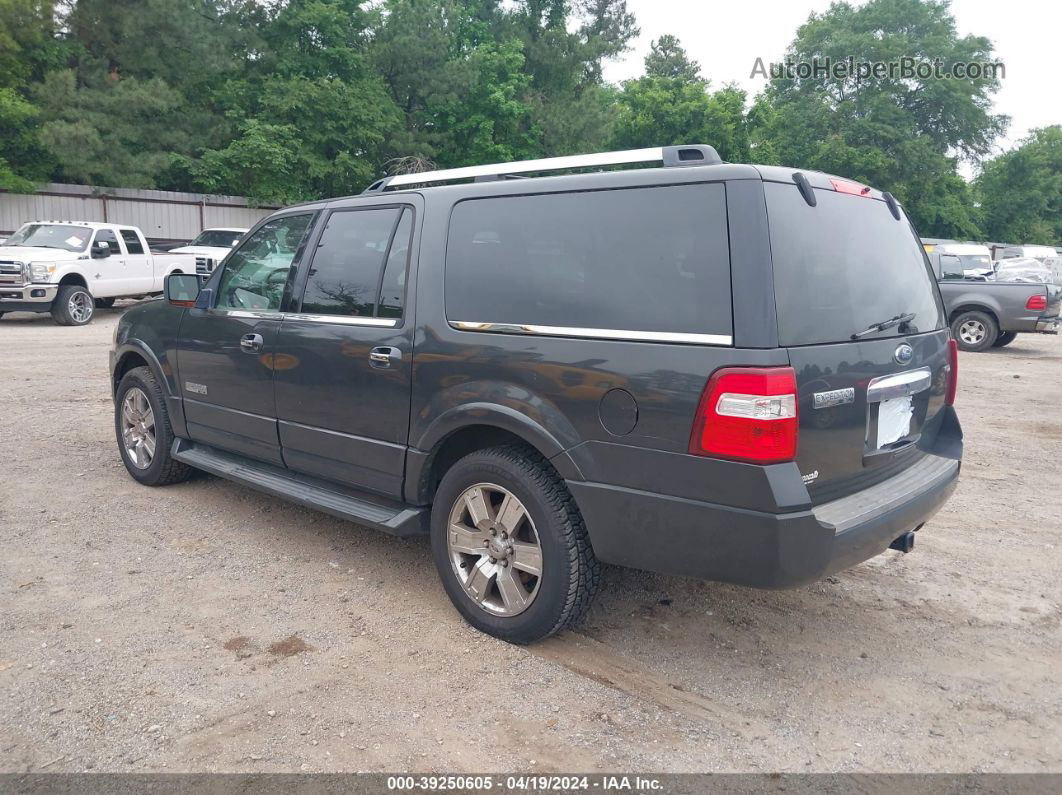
column 1004, row 339
column 142, row 428
column 73, row 305
column 974, row 331
column 104, row 303
column 510, row 545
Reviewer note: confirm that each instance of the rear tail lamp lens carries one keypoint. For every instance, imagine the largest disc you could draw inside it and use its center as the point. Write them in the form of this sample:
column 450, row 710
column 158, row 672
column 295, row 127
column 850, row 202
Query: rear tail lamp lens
column 1038, row 303
column 953, row 372
column 748, row 414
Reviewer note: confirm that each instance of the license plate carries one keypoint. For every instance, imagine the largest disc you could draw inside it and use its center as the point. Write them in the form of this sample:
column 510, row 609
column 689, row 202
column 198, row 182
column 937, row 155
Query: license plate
column 894, row 420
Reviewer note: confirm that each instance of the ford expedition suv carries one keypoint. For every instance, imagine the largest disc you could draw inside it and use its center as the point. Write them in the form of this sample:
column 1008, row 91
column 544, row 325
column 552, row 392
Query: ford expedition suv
column 731, row 372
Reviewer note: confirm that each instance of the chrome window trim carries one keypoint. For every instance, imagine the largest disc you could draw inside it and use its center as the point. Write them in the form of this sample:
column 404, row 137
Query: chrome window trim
column 899, row 385
column 272, row 314
column 593, row 333
column 269, row 314
column 388, row 322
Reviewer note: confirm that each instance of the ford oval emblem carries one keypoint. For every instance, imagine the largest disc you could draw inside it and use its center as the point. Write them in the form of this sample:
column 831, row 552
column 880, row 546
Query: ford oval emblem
column 904, row 354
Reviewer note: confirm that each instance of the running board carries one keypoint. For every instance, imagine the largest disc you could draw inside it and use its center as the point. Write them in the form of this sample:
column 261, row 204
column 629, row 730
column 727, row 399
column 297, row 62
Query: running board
column 379, row 513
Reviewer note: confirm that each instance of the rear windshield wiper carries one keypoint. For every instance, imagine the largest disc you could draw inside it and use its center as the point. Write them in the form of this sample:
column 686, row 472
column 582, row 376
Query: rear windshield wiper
column 899, row 320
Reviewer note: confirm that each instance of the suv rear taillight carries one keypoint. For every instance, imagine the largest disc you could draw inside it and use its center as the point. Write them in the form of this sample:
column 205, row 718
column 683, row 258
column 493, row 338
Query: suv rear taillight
column 1038, row 303
column 748, row 414
column 953, row 372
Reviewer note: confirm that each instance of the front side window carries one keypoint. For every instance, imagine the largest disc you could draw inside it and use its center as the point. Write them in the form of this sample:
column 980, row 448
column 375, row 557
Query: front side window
column 344, row 277
column 256, row 273
column 132, row 241
column 112, row 241
column 647, row 259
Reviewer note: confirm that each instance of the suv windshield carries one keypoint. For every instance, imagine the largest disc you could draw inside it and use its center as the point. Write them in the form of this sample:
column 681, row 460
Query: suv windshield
column 217, row 238
column 845, row 265
column 68, row 238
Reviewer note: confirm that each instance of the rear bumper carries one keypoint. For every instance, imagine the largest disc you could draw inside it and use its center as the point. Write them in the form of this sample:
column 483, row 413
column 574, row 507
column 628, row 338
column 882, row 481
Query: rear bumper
column 673, row 535
column 1048, row 325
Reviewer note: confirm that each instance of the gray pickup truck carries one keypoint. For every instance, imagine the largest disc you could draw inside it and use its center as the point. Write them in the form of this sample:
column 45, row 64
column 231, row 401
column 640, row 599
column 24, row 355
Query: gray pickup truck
column 986, row 314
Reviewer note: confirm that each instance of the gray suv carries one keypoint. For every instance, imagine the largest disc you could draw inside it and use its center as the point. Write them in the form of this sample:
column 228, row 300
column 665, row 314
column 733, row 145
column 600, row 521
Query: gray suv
column 732, row 372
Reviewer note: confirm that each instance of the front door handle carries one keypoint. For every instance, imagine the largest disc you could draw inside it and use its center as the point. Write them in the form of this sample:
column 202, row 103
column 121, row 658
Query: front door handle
column 384, row 356
column 251, row 343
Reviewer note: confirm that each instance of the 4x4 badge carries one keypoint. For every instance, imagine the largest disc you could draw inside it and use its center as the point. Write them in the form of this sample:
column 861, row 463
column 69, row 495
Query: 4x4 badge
column 904, row 354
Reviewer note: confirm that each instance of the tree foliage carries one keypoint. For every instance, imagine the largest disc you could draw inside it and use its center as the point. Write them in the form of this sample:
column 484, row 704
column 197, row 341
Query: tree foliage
column 296, row 99
column 905, row 135
column 1021, row 191
column 672, row 104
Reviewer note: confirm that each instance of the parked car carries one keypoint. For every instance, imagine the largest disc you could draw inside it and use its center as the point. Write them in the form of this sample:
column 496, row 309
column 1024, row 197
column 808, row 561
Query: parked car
column 1035, row 252
column 974, row 258
column 732, row 372
column 211, row 246
column 69, row 268
column 991, row 313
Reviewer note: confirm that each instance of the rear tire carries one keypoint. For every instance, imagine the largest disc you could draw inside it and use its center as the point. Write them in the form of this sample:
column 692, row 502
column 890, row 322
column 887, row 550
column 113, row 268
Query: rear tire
column 974, row 331
column 489, row 574
column 1005, row 338
column 142, row 428
column 73, row 305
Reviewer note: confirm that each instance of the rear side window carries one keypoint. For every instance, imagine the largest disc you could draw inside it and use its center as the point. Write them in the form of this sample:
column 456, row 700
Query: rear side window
column 132, row 241
column 843, row 265
column 344, row 277
column 648, row 259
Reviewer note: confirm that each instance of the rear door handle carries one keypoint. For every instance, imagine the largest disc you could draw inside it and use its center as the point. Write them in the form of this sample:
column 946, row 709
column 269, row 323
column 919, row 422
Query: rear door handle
column 384, row 356
column 251, row 343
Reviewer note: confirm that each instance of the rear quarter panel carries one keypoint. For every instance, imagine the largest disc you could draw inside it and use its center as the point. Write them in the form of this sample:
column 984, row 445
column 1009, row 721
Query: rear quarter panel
column 1006, row 301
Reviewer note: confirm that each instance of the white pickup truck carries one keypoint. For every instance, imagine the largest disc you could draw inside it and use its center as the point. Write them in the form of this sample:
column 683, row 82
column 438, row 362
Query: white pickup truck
column 69, row 268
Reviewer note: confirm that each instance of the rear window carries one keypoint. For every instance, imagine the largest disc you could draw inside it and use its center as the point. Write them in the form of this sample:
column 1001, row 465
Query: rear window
column 648, row 259
column 843, row 265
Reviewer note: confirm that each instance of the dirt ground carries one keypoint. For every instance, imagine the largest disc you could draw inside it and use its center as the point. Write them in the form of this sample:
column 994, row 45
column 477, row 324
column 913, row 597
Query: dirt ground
column 204, row 627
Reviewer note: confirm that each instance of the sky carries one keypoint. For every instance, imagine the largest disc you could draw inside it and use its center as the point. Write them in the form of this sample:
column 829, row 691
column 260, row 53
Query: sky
column 726, row 38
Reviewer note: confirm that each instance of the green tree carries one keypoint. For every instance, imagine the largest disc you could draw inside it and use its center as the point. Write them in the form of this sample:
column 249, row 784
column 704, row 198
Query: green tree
column 667, row 58
column 307, row 99
column 905, row 135
column 27, row 49
column 565, row 45
column 1021, row 190
column 672, row 104
column 122, row 132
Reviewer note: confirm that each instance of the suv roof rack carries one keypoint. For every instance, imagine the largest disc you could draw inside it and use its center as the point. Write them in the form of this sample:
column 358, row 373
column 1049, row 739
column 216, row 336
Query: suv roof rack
column 668, row 156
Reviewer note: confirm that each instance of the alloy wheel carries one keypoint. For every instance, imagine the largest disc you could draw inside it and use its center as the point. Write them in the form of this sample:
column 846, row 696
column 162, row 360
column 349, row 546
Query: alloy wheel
column 80, row 306
column 494, row 549
column 138, row 428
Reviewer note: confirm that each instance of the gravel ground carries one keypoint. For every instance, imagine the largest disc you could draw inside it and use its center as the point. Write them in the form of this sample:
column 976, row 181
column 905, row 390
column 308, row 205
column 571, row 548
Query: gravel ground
column 204, row 627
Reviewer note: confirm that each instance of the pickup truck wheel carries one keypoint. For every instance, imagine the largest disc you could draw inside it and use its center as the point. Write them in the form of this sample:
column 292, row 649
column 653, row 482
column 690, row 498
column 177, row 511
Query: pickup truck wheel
column 104, row 303
column 510, row 545
column 73, row 305
column 974, row 331
column 142, row 426
column 1005, row 338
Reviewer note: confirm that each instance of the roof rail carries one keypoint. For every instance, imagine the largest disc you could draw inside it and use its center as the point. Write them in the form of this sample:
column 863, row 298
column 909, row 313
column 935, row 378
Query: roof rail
column 668, row 156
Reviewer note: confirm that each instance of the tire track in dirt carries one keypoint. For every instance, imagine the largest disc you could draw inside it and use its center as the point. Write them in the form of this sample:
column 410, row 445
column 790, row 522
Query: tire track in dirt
column 598, row 662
